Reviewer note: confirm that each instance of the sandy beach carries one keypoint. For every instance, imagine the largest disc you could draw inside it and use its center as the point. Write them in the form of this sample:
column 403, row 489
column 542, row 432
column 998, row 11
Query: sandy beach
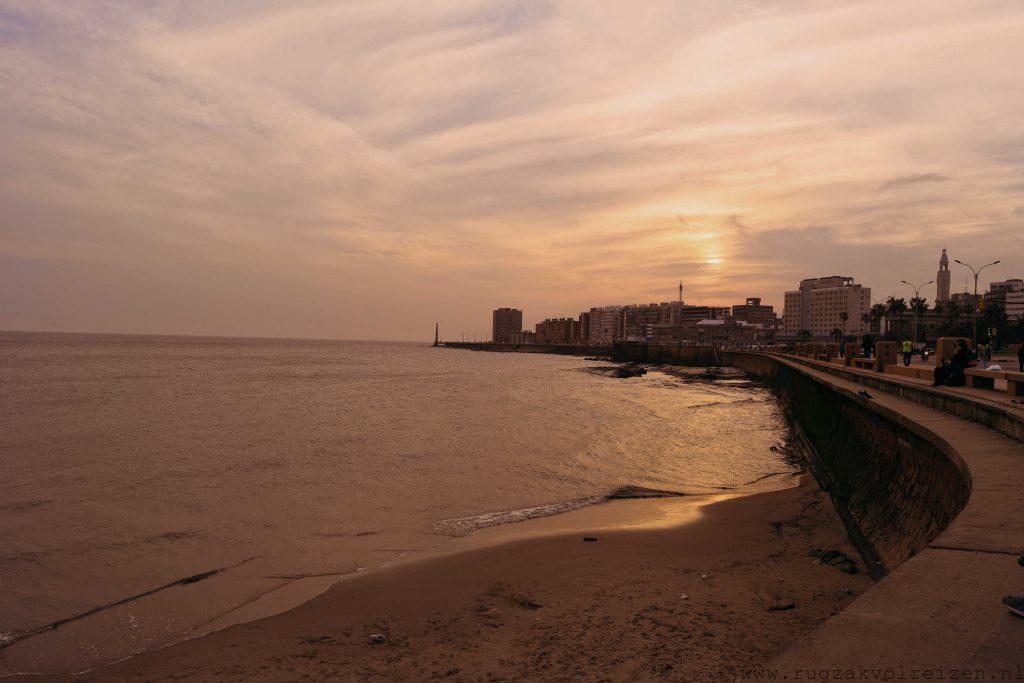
column 679, row 589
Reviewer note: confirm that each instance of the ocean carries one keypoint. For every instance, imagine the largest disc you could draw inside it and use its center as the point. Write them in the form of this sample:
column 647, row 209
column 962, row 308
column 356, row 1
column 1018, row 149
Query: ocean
column 153, row 488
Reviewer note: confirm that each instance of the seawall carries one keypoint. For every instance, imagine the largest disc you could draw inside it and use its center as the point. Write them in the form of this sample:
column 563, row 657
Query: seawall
column 930, row 485
column 560, row 349
column 896, row 484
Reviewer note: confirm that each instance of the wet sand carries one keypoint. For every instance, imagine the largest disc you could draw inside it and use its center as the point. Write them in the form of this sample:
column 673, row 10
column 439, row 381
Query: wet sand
column 534, row 601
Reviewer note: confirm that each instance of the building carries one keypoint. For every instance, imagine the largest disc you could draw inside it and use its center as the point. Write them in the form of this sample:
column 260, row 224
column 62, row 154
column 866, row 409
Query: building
column 942, row 279
column 556, row 331
column 756, row 313
column 638, row 319
column 506, row 322
column 605, row 325
column 997, row 291
column 717, row 332
column 791, row 324
column 965, row 301
column 691, row 315
column 819, row 304
column 582, row 331
column 524, row 337
column 1015, row 305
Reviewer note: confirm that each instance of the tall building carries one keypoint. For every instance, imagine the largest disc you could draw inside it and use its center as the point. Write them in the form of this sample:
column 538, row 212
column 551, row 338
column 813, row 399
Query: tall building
column 817, row 305
column 942, row 279
column 506, row 322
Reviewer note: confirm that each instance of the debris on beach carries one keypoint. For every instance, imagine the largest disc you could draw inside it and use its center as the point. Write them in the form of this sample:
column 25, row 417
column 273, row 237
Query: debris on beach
column 772, row 602
column 837, row 559
column 590, row 539
column 377, row 638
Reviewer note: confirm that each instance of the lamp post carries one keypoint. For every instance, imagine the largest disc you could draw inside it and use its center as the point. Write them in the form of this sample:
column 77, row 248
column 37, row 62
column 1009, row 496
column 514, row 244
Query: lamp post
column 974, row 302
column 917, row 295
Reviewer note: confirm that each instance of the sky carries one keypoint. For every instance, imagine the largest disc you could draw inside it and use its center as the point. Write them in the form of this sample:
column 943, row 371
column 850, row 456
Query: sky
column 361, row 169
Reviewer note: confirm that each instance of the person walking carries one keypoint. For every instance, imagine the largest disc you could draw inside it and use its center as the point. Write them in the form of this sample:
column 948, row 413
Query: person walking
column 979, row 355
column 908, row 351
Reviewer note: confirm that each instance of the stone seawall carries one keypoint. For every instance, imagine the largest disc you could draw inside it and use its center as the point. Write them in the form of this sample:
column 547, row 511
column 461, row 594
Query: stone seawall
column 896, row 485
column 894, row 482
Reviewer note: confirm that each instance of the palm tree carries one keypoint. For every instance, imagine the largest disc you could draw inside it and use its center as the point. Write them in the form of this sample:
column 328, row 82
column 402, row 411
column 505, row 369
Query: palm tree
column 844, row 316
column 897, row 307
column 877, row 313
column 837, row 334
column 919, row 306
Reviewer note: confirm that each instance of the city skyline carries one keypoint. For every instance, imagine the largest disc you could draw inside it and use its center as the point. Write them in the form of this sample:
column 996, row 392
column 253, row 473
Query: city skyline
column 361, row 171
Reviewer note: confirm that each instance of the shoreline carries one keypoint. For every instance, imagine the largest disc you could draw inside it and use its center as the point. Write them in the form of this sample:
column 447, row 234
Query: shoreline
column 515, row 583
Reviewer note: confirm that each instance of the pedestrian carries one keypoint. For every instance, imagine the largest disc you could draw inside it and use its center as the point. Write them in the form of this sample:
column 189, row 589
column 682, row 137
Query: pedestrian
column 979, row 355
column 908, row 351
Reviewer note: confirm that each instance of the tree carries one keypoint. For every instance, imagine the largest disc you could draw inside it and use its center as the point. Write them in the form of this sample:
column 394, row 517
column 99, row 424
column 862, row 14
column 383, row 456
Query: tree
column 844, row 316
column 805, row 336
column 877, row 313
column 837, row 334
column 896, row 307
column 918, row 306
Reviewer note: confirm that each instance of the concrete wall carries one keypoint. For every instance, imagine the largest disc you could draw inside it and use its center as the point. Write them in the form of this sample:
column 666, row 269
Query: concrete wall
column 895, row 484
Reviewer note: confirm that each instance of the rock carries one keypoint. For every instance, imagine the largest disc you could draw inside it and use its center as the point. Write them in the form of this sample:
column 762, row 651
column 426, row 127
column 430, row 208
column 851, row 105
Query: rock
column 589, row 539
column 629, row 370
column 378, row 638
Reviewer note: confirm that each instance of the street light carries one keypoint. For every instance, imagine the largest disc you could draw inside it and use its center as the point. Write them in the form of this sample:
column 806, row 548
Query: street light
column 974, row 302
column 917, row 295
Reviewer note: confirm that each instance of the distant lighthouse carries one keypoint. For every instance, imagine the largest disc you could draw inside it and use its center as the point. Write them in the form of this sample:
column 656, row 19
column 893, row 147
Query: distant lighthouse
column 437, row 340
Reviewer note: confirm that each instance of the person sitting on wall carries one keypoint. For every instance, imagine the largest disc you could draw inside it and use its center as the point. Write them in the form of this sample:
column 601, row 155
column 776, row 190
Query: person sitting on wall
column 951, row 372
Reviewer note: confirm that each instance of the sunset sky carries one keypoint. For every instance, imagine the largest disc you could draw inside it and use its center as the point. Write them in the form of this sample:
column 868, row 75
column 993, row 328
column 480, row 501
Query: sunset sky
column 362, row 168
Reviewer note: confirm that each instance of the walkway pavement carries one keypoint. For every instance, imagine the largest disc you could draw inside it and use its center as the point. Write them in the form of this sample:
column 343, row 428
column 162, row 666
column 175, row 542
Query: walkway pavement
column 939, row 610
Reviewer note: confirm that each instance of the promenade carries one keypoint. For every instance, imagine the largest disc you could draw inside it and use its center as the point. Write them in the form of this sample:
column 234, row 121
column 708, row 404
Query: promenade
column 940, row 610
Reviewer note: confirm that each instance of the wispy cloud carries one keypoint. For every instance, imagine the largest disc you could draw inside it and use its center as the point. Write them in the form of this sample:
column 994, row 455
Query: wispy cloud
column 360, row 169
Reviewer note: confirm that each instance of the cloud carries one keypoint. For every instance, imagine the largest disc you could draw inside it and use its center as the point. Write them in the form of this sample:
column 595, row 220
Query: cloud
column 915, row 179
column 362, row 169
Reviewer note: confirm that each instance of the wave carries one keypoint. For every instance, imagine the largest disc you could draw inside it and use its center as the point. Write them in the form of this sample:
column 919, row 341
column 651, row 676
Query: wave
column 461, row 526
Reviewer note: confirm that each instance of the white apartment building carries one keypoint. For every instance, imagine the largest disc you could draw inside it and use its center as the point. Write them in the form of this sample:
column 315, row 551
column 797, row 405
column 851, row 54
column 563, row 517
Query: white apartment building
column 817, row 305
column 829, row 303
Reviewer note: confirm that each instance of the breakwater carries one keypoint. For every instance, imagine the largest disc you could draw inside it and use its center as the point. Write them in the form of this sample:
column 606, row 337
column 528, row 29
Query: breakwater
column 895, row 484
column 560, row 349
